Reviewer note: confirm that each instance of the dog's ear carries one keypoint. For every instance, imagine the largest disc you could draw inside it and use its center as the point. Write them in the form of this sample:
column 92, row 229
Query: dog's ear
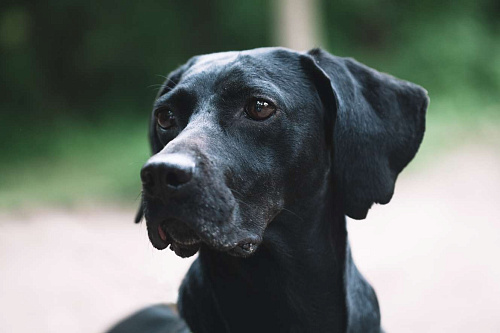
column 170, row 82
column 378, row 124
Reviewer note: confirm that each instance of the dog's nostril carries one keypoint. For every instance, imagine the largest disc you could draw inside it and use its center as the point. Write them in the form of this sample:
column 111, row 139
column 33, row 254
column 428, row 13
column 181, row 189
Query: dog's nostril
column 147, row 177
column 176, row 177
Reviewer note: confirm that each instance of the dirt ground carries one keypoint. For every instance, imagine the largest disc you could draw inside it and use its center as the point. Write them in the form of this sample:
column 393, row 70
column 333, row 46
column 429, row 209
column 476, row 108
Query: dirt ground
column 432, row 255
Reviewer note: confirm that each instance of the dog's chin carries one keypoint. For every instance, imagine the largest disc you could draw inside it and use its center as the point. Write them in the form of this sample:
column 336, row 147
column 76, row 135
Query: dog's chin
column 184, row 251
column 185, row 242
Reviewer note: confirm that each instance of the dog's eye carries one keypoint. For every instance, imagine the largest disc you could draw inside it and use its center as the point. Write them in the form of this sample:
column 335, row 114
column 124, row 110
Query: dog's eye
column 165, row 119
column 259, row 109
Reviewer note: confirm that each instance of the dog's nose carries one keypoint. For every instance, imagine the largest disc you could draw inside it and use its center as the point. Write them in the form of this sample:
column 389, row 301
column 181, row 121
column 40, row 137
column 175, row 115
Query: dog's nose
column 165, row 172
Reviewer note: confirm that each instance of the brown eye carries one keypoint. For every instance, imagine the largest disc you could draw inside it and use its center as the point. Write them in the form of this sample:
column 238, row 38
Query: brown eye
column 165, row 119
column 259, row 109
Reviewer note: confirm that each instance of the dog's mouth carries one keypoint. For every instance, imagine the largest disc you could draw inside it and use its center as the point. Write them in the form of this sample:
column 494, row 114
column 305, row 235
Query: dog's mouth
column 185, row 242
column 182, row 239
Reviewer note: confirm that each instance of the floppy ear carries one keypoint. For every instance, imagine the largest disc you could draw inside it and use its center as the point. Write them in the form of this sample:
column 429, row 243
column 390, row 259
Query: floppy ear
column 170, row 82
column 378, row 125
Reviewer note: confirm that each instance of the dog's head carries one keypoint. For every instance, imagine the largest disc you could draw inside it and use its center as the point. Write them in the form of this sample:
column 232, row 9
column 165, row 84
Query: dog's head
column 237, row 137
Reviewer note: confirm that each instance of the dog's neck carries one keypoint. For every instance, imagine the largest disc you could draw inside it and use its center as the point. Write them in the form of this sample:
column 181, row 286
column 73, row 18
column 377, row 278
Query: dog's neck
column 301, row 279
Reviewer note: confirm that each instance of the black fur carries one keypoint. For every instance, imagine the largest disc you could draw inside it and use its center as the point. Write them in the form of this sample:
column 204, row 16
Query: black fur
column 266, row 202
column 154, row 319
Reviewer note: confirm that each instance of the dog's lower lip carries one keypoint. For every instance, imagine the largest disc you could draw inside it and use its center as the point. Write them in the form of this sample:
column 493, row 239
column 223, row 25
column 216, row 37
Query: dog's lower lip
column 186, row 242
column 184, row 250
column 158, row 241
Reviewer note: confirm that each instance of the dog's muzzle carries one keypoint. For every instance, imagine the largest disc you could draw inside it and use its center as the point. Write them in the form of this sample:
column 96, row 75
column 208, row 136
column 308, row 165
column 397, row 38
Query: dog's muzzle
column 186, row 207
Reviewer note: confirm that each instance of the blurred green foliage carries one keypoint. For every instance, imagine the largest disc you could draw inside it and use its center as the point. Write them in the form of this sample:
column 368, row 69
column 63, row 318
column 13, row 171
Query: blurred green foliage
column 78, row 78
column 452, row 48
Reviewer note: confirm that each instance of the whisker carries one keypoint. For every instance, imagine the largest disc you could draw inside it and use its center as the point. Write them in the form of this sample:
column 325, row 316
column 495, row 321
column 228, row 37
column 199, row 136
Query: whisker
column 288, row 210
column 242, row 202
column 155, row 86
column 233, row 190
column 166, row 78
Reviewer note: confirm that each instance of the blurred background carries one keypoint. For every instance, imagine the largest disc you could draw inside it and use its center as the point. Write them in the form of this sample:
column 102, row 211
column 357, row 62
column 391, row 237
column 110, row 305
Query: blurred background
column 77, row 83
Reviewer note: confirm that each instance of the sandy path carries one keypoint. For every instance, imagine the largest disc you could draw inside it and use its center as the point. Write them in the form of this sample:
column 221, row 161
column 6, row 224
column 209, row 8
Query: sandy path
column 432, row 256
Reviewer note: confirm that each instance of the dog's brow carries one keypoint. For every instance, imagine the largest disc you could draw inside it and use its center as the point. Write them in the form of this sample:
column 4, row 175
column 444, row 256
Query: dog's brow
column 177, row 96
column 258, row 88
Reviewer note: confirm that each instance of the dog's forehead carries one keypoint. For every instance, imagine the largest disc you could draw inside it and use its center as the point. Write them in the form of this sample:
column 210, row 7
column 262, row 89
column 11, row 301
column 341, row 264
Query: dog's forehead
column 211, row 62
column 250, row 61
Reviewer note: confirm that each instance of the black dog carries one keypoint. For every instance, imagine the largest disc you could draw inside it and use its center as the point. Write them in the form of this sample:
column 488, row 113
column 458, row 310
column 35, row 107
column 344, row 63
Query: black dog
column 257, row 158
